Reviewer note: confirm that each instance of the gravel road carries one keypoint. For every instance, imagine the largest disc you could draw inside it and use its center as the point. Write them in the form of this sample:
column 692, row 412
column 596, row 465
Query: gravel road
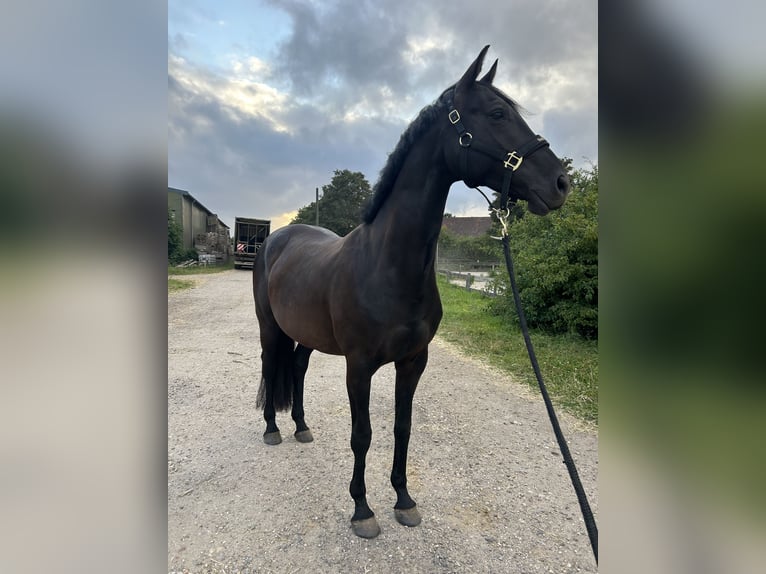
column 483, row 464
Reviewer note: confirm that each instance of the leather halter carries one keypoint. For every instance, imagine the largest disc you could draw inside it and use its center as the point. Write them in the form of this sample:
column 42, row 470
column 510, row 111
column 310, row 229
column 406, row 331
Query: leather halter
column 512, row 160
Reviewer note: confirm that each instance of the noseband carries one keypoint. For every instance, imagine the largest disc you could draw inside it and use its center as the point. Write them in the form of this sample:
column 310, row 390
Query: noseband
column 511, row 160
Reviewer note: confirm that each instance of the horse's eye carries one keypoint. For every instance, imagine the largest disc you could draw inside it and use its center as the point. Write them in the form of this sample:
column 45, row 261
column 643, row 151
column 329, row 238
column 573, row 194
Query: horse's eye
column 496, row 114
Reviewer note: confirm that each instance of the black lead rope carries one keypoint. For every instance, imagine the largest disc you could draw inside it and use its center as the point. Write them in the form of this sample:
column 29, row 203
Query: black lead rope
column 590, row 522
column 511, row 162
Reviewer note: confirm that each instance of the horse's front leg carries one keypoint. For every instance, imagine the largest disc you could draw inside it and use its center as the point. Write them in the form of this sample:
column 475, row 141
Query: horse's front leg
column 408, row 374
column 358, row 377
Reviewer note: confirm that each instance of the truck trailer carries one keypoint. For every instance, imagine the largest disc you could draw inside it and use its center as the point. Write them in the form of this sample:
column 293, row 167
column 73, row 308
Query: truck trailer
column 249, row 235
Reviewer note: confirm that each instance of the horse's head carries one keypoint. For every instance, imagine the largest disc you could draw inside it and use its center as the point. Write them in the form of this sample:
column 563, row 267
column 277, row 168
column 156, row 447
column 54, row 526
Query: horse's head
column 494, row 146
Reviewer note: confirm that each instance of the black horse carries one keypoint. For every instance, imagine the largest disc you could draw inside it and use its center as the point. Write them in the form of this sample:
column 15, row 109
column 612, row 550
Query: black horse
column 371, row 296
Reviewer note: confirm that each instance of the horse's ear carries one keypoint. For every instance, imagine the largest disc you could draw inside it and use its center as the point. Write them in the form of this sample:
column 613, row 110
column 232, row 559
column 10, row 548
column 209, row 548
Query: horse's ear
column 489, row 76
column 472, row 72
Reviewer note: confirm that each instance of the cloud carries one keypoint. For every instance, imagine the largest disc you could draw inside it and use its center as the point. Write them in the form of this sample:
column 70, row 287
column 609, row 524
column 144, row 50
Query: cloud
column 350, row 43
column 256, row 133
column 360, row 46
column 242, row 148
column 571, row 132
column 239, row 94
column 354, row 58
column 283, row 219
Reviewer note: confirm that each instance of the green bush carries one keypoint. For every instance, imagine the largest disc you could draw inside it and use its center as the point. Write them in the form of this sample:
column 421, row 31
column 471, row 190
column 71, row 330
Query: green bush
column 176, row 251
column 556, row 262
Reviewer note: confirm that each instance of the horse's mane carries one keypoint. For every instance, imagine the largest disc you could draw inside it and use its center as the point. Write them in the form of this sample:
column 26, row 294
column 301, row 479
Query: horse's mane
column 387, row 178
column 424, row 120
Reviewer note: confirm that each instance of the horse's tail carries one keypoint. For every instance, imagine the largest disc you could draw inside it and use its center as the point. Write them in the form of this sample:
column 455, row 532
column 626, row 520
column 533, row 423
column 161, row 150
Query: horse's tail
column 280, row 382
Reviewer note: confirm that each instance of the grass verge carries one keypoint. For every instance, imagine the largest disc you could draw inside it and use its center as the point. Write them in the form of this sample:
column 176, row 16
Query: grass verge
column 568, row 363
column 178, row 284
column 204, row 270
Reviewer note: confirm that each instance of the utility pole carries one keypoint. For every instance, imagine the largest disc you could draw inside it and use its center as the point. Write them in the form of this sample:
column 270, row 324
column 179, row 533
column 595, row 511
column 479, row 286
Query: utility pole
column 317, row 204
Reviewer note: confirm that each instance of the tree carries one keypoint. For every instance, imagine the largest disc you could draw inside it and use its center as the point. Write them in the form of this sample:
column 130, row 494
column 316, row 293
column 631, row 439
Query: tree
column 556, row 261
column 341, row 203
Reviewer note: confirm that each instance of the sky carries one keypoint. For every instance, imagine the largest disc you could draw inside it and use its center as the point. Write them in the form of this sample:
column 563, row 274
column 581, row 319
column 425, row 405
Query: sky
column 267, row 98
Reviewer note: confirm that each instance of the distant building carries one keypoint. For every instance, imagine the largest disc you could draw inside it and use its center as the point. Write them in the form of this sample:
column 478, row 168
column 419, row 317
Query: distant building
column 467, row 226
column 202, row 230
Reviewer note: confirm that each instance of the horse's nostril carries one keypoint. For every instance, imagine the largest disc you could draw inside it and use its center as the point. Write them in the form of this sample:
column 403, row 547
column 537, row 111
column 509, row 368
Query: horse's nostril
column 563, row 184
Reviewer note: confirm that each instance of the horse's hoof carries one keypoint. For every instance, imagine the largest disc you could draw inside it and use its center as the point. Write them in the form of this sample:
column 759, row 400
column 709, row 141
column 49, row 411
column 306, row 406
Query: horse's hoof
column 272, row 438
column 407, row 516
column 304, row 436
column 366, row 528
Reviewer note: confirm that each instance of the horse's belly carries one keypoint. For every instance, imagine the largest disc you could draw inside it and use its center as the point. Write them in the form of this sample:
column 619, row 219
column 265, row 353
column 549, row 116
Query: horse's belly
column 306, row 322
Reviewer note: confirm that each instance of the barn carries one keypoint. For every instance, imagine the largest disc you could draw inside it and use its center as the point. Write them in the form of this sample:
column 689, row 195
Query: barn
column 468, row 226
column 202, row 229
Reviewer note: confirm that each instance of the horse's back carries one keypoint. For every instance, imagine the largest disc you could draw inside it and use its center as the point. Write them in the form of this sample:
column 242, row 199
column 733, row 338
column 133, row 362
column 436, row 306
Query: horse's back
column 291, row 279
column 296, row 237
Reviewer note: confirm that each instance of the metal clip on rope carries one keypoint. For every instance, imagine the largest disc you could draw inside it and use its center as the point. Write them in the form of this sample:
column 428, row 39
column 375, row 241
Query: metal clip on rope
column 502, row 216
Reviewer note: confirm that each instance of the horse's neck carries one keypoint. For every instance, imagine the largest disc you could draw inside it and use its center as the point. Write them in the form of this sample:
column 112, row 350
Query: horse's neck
column 408, row 224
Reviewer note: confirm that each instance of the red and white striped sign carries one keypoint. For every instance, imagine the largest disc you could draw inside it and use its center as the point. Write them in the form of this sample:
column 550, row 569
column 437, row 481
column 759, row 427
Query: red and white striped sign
column 242, row 247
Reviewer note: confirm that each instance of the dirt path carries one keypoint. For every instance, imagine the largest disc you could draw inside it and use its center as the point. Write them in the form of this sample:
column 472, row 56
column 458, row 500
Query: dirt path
column 483, row 465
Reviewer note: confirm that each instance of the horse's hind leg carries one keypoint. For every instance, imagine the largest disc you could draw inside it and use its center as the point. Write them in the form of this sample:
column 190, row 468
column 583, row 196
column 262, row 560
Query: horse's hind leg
column 275, row 392
column 301, row 363
column 407, row 376
column 272, row 435
column 269, row 368
column 276, row 389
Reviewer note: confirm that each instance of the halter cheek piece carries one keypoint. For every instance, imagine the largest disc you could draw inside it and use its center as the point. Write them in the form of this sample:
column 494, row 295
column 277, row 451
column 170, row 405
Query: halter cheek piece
column 511, row 160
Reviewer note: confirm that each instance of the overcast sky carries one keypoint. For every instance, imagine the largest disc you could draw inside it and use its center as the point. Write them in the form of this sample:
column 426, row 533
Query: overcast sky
column 266, row 98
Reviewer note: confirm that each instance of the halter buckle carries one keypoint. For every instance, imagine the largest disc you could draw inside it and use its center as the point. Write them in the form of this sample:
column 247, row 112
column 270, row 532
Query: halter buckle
column 514, row 161
column 454, row 116
column 467, row 142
